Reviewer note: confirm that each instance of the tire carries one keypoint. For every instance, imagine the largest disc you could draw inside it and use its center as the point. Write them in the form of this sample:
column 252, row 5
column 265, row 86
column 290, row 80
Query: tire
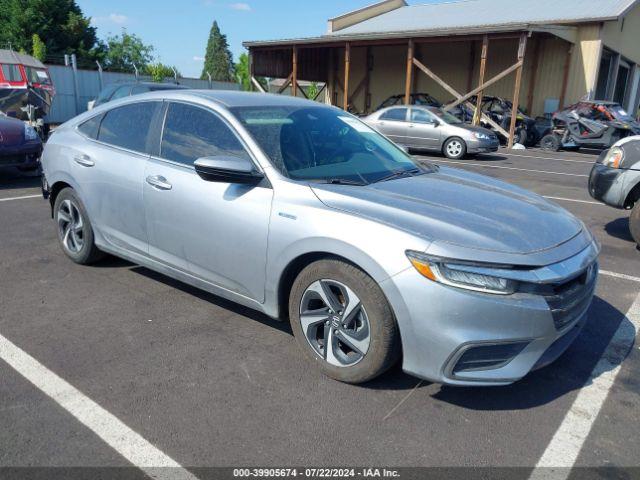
column 634, row 223
column 550, row 143
column 454, row 148
column 75, row 233
column 371, row 326
column 521, row 137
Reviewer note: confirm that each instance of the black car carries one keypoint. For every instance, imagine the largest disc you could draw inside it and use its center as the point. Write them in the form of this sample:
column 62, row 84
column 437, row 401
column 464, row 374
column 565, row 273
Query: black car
column 423, row 99
column 120, row 90
column 20, row 144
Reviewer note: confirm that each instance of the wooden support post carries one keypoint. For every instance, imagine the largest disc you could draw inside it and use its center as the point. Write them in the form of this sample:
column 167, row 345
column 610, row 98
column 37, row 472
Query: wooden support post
column 483, row 69
column 286, row 83
column 409, row 79
column 534, row 75
column 256, row 84
column 516, row 90
column 347, row 67
column 294, row 72
column 565, row 76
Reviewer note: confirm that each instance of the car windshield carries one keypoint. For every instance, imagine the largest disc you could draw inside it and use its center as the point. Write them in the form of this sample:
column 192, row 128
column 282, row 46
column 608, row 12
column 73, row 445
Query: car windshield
column 445, row 116
column 325, row 145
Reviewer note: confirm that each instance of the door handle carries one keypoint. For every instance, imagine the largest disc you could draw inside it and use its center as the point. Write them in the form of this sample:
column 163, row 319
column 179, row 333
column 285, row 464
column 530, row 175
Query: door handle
column 84, row 160
column 159, row 182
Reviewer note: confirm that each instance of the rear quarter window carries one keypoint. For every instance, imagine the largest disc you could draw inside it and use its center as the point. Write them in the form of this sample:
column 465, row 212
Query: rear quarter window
column 128, row 126
column 90, row 127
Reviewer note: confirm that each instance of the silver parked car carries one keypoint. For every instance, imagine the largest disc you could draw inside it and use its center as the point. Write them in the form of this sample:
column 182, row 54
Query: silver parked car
column 430, row 128
column 302, row 211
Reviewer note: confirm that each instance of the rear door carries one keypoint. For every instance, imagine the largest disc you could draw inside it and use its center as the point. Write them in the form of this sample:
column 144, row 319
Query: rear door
column 424, row 129
column 110, row 167
column 393, row 124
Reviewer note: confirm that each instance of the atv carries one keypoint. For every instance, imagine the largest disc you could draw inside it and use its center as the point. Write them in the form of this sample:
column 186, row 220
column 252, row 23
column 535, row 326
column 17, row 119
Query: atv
column 590, row 124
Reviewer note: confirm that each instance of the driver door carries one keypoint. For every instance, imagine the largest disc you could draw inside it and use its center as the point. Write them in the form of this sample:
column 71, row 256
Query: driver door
column 424, row 129
column 215, row 231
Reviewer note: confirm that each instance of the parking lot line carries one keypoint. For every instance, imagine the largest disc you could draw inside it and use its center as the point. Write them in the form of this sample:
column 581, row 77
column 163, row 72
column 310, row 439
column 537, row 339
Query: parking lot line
column 573, row 200
column 20, row 198
column 620, row 275
column 547, row 158
column 484, row 165
column 564, row 448
column 109, row 428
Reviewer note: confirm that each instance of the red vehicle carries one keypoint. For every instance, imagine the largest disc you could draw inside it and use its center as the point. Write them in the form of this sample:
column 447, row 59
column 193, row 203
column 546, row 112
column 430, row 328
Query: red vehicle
column 26, row 90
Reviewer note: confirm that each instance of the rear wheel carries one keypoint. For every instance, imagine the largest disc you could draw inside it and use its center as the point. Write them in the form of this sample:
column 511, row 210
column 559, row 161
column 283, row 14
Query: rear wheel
column 342, row 321
column 634, row 223
column 550, row 142
column 75, row 233
column 454, row 148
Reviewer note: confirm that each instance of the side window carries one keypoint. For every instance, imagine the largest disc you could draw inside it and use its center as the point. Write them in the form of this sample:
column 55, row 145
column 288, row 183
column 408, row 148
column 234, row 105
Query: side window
column 121, row 92
column 90, row 127
column 139, row 89
column 421, row 116
column 11, row 73
column 395, row 114
column 128, row 126
column 191, row 132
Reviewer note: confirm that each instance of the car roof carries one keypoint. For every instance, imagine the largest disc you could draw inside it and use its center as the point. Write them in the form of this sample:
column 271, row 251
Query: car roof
column 157, row 85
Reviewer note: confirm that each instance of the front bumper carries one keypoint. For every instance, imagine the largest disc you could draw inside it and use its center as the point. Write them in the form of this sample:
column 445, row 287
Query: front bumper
column 483, row 146
column 444, row 330
column 607, row 185
column 26, row 156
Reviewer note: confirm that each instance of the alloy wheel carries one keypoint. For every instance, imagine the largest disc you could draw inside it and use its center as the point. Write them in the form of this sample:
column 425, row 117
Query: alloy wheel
column 335, row 323
column 70, row 226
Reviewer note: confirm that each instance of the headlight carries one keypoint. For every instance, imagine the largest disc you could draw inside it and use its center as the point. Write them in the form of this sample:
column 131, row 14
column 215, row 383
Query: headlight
column 459, row 275
column 481, row 136
column 30, row 132
column 614, row 158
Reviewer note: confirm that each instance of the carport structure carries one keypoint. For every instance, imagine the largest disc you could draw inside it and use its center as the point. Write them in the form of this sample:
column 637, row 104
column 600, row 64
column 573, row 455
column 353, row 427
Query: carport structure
column 541, row 55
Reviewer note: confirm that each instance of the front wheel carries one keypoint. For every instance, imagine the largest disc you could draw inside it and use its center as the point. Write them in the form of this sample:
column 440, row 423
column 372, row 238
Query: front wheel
column 550, row 143
column 342, row 321
column 454, row 148
column 75, row 233
column 634, row 223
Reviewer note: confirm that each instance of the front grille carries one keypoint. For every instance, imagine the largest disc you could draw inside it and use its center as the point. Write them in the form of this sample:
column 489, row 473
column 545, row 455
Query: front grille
column 570, row 299
column 488, row 357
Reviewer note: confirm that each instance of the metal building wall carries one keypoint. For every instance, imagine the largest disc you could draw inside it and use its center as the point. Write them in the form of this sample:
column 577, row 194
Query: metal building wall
column 66, row 105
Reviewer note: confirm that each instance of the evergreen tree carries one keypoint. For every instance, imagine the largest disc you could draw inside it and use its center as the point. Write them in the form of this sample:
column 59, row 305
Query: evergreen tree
column 39, row 48
column 218, row 60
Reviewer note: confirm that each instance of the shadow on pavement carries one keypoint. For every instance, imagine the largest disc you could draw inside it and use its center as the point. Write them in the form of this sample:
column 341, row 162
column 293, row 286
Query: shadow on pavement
column 570, row 372
column 619, row 228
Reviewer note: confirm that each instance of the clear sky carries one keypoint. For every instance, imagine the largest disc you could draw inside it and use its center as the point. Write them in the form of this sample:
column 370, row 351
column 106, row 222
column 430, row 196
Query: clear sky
column 179, row 29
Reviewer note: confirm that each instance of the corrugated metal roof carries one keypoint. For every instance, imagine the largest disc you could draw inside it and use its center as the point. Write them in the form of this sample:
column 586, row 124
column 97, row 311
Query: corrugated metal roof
column 475, row 14
column 11, row 57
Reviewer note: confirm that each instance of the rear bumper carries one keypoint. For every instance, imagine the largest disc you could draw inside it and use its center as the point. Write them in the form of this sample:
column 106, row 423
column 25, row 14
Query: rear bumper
column 20, row 156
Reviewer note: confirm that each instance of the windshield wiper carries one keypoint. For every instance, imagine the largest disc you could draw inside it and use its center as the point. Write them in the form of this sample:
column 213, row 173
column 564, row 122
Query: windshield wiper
column 345, row 181
column 401, row 173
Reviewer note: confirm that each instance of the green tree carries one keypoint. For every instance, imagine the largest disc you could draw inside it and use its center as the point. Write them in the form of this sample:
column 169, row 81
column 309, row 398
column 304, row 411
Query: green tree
column 218, row 60
column 59, row 23
column 126, row 50
column 160, row 71
column 39, row 48
column 243, row 76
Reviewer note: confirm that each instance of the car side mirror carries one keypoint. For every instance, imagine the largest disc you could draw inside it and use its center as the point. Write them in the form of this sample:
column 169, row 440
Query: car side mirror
column 227, row 169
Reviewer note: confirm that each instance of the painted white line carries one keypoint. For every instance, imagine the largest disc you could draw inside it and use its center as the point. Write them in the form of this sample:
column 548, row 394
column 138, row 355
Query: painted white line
column 109, row 428
column 574, row 200
column 19, row 198
column 561, row 454
column 590, row 162
column 482, row 165
column 620, row 275
column 404, row 399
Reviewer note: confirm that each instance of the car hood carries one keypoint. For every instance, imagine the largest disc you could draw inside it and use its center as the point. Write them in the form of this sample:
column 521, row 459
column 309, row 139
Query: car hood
column 473, row 128
column 11, row 131
column 459, row 208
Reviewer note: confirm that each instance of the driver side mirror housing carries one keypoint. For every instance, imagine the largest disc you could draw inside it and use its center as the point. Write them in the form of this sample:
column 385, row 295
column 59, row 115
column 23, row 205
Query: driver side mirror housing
column 227, row 169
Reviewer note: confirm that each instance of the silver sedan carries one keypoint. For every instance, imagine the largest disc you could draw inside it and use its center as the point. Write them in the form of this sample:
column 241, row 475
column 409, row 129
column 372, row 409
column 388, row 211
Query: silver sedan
column 430, row 128
column 303, row 212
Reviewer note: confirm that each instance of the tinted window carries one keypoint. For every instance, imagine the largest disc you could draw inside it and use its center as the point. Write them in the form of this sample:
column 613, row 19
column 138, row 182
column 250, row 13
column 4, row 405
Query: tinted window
column 35, row 75
column 397, row 114
column 121, row 92
column 128, row 126
column 191, row 133
column 11, row 73
column 421, row 116
column 90, row 127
